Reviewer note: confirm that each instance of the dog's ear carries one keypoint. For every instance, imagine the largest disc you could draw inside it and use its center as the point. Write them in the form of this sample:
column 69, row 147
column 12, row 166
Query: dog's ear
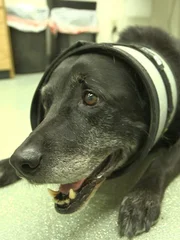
column 37, row 111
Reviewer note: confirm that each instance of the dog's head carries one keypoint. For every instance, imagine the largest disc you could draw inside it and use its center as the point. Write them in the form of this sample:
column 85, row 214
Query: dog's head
column 95, row 120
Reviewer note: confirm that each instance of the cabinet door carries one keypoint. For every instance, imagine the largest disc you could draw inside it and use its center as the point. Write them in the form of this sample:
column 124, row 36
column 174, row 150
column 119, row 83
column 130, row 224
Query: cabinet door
column 4, row 49
column 2, row 17
column 1, row 3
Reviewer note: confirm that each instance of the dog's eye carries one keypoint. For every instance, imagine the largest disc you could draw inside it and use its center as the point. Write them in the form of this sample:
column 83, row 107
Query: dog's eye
column 90, row 99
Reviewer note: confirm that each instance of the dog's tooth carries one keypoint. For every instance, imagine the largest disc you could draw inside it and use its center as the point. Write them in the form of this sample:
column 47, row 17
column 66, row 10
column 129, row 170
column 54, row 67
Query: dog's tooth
column 60, row 202
column 52, row 192
column 67, row 201
column 72, row 194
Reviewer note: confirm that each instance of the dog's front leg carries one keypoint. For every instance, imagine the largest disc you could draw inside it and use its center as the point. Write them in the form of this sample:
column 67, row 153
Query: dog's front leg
column 7, row 173
column 140, row 209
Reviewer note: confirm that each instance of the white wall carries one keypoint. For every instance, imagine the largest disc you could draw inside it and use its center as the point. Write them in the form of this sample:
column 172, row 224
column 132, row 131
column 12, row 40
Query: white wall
column 164, row 14
column 38, row 3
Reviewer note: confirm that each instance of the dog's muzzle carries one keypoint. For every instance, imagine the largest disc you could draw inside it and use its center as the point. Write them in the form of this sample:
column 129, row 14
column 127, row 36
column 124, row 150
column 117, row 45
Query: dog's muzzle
column 159, row 83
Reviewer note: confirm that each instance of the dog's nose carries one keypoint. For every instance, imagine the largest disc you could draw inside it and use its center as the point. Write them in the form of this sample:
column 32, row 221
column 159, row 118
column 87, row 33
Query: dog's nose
column 26, row 162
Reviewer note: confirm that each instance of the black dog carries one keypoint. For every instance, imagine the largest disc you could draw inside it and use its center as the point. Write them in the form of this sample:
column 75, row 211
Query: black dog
column 96, row 118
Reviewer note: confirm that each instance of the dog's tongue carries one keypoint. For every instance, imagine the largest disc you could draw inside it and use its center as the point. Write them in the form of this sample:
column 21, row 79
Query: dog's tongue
column 64, row 188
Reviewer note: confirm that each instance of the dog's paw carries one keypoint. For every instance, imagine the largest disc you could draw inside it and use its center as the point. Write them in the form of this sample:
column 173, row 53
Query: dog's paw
column 7, row 173
column 139, row 211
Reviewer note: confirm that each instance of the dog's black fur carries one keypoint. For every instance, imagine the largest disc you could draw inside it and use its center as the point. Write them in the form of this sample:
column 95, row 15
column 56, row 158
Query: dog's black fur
column 118, row 123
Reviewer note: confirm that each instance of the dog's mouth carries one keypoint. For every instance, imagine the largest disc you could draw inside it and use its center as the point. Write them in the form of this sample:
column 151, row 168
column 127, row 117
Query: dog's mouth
column 73, row 196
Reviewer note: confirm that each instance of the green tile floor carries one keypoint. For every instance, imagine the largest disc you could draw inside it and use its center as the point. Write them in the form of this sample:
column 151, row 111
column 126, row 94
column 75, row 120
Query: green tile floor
column 27, row 212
